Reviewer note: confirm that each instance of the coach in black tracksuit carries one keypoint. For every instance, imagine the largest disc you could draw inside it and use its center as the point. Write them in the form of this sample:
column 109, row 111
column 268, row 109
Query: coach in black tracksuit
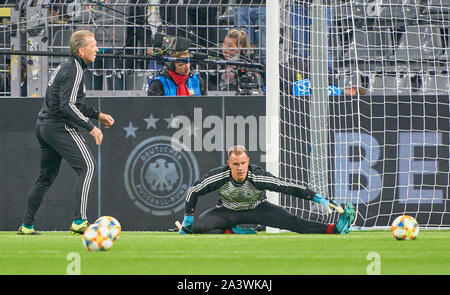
column 240, row 186
column 64, row 111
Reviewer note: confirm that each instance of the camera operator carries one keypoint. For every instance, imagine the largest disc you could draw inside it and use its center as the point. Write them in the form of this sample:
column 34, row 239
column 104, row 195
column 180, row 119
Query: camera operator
column 177, row 79
column 236, row 46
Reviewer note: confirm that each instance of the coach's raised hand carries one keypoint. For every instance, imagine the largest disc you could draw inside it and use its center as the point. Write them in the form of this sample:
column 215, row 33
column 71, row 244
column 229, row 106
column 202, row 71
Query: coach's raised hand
column 97, row 134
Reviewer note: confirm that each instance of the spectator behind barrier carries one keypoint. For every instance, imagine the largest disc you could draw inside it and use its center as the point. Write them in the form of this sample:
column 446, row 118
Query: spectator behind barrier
column 176, row 79
column 235, row 46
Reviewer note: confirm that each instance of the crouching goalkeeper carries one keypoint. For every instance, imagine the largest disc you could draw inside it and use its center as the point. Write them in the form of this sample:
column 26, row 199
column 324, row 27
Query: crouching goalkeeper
column 240, row 186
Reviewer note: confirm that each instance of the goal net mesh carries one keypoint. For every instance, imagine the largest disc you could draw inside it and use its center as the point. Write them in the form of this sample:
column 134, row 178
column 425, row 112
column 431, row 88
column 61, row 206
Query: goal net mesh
column 364, row 107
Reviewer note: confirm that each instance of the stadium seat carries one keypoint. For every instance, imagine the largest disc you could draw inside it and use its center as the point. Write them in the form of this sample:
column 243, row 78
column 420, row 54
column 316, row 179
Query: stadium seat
column 438, row 3
column 393, row 83
column 437, row 9
column 436, row 83
column 445, row 55
column 403, row 82
column 382, row 84
column 386, row 10
column 369, row 45
column 343, row 11
column 419, row 42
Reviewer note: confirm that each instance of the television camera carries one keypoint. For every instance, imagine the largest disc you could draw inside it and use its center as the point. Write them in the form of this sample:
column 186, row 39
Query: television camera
column 249, row 75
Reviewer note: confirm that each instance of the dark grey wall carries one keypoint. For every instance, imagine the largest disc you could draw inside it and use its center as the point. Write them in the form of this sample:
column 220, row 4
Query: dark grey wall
column 126, row 183
column 141, row 178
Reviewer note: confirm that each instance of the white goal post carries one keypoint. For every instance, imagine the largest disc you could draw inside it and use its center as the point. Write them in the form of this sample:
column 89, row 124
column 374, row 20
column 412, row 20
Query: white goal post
column 358, row 106
column 272, row 97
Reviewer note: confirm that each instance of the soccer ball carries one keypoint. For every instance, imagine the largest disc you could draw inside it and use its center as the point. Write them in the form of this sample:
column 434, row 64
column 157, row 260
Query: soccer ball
column 405, row 227
column 112, row 223
column 97, row 237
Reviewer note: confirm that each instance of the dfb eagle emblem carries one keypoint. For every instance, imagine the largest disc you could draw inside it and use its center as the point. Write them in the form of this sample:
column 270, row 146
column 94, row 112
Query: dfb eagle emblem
column 161, row 176
column 158, row 173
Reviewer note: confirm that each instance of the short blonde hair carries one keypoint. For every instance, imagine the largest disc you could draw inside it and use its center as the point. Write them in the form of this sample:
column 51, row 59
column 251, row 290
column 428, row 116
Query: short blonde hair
column 79, row 39
column 237, row 149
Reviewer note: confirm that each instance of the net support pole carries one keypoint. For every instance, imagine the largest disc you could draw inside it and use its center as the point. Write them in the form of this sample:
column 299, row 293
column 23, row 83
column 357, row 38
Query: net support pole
column 272, row 96
column 319, row 113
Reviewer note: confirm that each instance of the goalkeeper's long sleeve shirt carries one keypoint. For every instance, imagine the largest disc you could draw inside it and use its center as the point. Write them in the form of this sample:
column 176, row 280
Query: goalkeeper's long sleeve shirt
column 241, row 196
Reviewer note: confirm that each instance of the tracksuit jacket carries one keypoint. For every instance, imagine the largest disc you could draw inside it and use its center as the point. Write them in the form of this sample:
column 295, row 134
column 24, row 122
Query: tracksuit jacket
column 64, row 102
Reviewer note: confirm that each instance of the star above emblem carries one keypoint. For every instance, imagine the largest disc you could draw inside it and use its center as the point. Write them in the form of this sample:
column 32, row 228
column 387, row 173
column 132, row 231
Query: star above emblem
column 131, row 130
column 151, row 122
column 172, row 121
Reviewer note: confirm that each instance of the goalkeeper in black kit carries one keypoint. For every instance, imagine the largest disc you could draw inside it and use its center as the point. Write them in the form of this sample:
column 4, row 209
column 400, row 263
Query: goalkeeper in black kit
column 240, row 186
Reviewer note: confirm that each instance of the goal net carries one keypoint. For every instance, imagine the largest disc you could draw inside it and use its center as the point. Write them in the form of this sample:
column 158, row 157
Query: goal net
column 364, row 107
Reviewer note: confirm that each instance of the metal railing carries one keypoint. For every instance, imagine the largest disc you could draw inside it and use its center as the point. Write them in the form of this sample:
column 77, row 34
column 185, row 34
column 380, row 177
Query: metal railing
column 123, row 27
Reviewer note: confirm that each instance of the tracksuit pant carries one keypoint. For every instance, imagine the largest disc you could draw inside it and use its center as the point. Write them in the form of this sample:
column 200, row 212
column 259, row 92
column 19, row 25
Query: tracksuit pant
column 57, row 143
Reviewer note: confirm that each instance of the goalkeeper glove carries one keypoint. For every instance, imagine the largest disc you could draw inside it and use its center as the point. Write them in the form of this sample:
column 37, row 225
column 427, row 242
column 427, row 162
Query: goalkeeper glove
column 186, row 227
column 328, row 204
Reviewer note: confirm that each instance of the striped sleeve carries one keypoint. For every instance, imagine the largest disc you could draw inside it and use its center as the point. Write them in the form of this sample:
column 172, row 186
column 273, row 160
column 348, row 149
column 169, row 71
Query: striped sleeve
column 68, row 93
column 209, row 183
column 264, row 180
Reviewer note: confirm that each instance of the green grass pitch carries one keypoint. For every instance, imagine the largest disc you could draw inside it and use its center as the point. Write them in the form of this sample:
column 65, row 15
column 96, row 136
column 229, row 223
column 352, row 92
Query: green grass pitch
column 147, row 253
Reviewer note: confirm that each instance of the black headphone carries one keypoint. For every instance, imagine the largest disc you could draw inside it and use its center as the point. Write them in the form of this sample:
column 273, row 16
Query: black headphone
column 171, row 65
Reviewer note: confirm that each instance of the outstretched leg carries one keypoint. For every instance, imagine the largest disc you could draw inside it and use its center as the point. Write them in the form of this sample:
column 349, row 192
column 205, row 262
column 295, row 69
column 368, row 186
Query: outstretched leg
column 217, row 220
column 275, row 216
